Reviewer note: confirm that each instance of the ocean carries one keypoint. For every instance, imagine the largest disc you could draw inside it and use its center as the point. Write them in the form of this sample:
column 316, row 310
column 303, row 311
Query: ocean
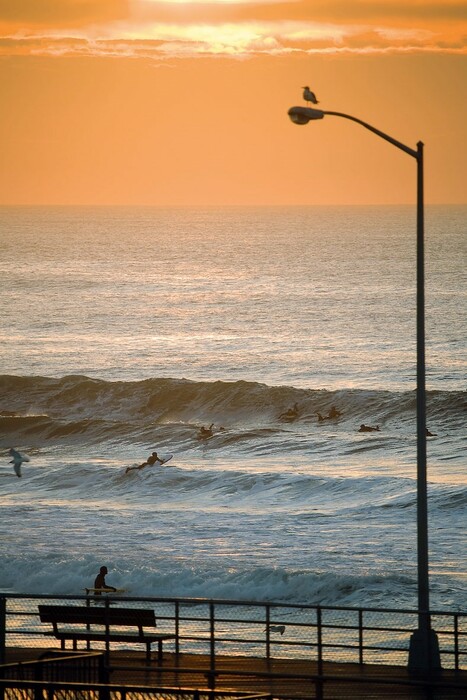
column 124, row 330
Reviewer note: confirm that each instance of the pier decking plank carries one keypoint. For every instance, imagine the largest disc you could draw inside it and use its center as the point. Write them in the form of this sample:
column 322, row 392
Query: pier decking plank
column 283, row 678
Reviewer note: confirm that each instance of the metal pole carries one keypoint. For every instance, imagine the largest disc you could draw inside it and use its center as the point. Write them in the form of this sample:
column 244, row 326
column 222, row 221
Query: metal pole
column 424, row 647
column 211, row 675
column 422, row 494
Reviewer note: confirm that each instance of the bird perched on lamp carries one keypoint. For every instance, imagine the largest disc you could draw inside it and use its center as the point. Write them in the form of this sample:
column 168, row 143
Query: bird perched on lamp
column 309, row 96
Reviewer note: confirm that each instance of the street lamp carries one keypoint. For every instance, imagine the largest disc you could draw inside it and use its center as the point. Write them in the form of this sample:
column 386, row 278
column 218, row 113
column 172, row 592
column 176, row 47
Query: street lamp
column 424, row 648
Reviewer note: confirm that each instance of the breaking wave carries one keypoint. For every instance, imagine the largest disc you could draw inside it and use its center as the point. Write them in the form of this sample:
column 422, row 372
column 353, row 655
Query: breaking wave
column 71, row 407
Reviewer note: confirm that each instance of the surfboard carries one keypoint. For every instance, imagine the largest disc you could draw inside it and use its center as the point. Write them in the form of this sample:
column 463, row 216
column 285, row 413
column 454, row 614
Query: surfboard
column 160, row 462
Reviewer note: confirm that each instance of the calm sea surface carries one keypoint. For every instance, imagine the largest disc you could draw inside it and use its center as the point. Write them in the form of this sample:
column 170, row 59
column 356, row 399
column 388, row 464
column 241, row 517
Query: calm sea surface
column 125, row 329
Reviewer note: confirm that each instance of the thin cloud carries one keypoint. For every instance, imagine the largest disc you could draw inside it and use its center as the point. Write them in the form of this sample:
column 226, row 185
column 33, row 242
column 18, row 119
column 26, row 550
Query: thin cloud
column 144, row 37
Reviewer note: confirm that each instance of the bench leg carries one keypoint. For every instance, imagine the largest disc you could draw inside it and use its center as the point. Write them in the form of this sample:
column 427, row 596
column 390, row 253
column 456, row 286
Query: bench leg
column 159, row 652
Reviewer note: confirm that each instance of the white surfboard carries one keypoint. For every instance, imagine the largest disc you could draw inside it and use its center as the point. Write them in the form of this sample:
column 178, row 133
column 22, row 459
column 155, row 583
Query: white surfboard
column 164, row 460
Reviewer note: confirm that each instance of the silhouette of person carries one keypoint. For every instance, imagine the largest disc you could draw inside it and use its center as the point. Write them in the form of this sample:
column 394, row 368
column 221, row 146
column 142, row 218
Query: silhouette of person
column 428, row 434
column 333, row 413
column 205, row 432
column 152, row 459
column 100, row 581
column 368, row 428
column 291, row 412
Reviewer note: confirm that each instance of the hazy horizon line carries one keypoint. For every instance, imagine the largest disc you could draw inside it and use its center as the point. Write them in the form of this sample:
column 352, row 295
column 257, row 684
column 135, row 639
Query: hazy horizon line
column 224, row 206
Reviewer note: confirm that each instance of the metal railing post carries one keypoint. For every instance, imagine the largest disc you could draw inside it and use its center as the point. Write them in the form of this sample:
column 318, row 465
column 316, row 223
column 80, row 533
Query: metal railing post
column 177, row 628
column 268, row 632
column 102, row 671
column 360, row 637
column 2, row 629
column 88, row 626
column 212, row 668
column 319, row 633
column 104, row 693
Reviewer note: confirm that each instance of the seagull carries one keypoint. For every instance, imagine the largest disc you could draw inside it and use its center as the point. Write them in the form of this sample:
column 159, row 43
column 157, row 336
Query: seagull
column 17, row 460
column 309, row 96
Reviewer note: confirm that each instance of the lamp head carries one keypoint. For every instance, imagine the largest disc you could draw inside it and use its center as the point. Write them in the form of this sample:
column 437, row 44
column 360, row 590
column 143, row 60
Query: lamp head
column 302, row 115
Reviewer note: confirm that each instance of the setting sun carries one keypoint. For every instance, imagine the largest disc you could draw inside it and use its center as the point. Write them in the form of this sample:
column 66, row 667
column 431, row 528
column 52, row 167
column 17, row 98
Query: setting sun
column 191, row 99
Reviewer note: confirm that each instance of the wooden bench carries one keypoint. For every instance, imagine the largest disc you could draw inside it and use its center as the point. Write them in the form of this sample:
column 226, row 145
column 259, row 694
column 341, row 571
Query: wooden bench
column 76, row 621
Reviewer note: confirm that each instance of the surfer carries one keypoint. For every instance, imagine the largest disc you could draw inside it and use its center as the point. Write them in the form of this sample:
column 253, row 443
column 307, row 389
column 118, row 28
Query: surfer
column 100, row 581
column 291, row 412
column 205, row 432
column 152, row 459
column 368, row 428
column 428, row 434
column 333, row 413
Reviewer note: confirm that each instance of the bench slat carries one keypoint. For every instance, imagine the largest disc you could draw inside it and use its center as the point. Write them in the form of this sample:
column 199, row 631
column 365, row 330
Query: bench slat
column 73, row 614
column 95, row 635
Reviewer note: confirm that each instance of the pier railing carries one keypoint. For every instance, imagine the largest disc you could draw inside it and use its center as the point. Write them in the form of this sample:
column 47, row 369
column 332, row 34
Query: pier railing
column 84, row 675
column 340, row 688
column 266, row 630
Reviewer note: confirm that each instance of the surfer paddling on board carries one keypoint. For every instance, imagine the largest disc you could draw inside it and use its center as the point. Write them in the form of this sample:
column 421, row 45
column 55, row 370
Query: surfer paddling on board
column 368, row 428
column 291, row 412
column 205, row 432
column 151, row 461
column 333, row 413
column 100, row 581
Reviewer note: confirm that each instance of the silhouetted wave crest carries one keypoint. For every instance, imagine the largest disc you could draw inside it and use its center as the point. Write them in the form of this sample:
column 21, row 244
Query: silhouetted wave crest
column 79, row 404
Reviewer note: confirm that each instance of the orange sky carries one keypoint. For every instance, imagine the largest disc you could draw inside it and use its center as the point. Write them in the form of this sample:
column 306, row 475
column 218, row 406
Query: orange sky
column 167, row 102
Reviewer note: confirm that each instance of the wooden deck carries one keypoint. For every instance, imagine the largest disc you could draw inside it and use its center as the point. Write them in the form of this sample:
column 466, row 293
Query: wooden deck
column 282, row 678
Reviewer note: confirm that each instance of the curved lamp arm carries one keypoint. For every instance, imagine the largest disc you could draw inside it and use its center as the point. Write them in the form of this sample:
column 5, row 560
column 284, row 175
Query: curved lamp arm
column 302, row 115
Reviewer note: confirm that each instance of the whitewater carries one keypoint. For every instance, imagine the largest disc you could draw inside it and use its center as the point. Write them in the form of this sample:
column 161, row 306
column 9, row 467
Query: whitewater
column 124, row 330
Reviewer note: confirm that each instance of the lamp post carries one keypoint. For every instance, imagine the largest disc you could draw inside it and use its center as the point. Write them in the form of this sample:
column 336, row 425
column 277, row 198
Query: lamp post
column 424, row 648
